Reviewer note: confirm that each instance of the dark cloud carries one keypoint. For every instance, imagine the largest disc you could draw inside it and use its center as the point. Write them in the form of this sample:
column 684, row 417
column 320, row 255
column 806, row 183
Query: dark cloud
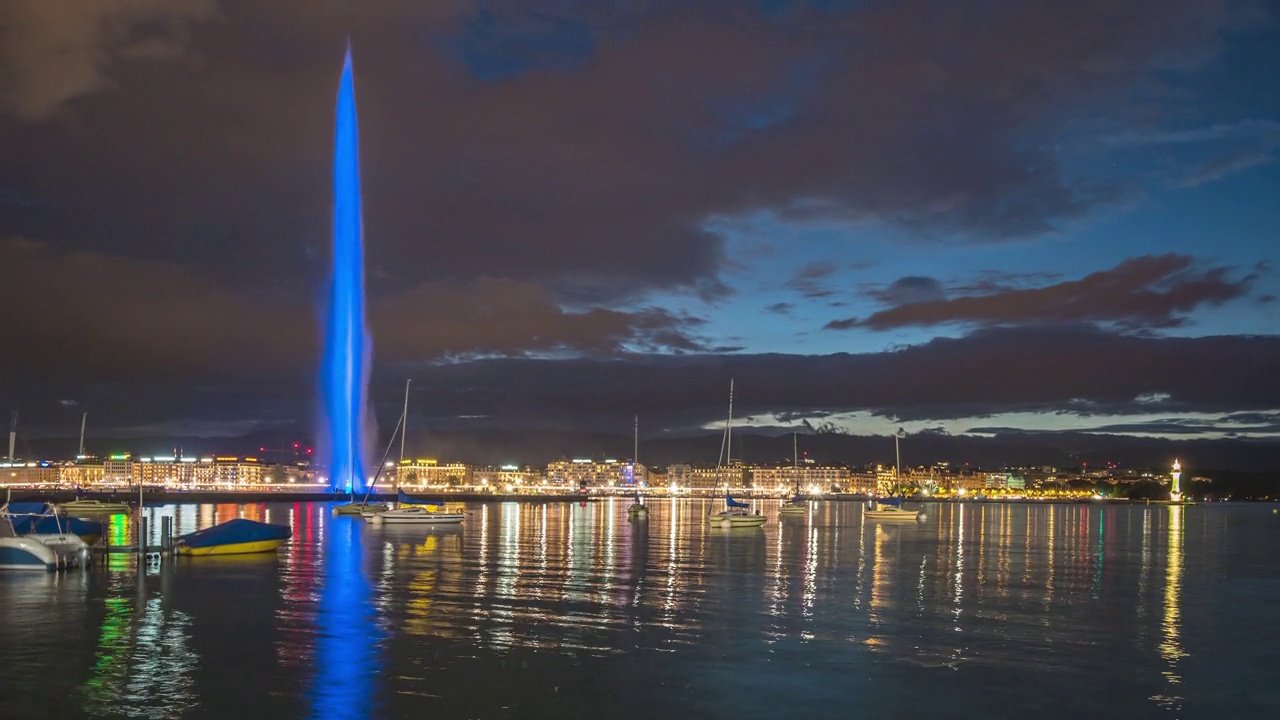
column 582, row 148
column 1151, row 291
column 990, row 371
column 145, row 318
column 781, row 308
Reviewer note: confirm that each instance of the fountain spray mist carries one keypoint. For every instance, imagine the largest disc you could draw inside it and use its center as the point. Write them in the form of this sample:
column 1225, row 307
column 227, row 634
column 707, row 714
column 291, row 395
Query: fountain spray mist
column 344, row 371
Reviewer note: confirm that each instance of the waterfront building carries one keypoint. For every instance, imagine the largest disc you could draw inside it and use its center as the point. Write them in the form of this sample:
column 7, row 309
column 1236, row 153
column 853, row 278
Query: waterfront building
column 429, row 473
column 117, row 469
column 512, row 478
column 17, row 472
column 811, row 477
column 582, row 472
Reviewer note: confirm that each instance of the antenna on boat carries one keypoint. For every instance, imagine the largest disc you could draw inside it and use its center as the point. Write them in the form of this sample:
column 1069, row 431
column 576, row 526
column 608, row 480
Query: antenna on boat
column 404, row 418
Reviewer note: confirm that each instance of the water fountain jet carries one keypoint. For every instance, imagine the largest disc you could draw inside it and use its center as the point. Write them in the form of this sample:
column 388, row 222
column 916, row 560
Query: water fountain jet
column 344, row 371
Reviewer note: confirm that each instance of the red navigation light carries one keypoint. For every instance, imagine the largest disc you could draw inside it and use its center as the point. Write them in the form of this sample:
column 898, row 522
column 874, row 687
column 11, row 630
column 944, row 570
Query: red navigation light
column 308, row 451
column 295, row 446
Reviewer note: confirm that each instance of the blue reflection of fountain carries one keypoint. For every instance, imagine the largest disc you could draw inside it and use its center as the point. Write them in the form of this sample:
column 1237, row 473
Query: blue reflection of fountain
column 344, row 370
column 346, row 649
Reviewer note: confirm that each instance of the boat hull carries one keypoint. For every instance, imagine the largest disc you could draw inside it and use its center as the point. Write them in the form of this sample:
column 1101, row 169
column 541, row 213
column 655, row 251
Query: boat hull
column 892, row 515
column 42, row 552
column 790, row 509
column 391, row 518
column 93, row 507
column 357, row 509
column 257, row 546
column 736, row 521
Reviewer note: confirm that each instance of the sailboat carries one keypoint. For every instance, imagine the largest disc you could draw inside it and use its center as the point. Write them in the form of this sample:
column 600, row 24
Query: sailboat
column 417, row 511
column 637, row 510
column 890, row 509
column 796, row 505
column 365, row 508
column 735, row 514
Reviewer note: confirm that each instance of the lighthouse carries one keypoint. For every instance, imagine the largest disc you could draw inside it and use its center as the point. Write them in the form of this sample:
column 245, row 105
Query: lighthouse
column 1175, row 490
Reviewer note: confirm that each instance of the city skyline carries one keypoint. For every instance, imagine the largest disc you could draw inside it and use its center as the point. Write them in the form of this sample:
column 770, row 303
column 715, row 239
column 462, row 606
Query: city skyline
column 1059, row 224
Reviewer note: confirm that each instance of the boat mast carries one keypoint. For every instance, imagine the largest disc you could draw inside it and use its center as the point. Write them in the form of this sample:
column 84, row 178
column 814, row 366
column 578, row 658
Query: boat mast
column 404, row 419
column 795, row 463
column 897, row 457
column 13, row 432
column 83, row 420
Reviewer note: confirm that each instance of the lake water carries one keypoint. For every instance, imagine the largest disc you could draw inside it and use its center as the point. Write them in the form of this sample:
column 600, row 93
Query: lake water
column 568, row 611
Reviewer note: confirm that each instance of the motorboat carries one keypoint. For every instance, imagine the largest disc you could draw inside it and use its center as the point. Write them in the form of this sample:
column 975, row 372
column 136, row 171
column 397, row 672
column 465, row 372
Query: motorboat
column 234, row 537
column 83, row 506
column 40, row 551
column 435, row 513
column 890, row 510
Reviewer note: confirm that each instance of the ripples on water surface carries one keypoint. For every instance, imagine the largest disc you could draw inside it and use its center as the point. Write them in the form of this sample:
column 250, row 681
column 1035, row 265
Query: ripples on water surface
column 558, row 610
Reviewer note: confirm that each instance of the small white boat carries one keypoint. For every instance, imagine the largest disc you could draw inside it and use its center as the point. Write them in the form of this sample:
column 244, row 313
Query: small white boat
column 418, row 515
column 93, row 507
column 793, row 507
column 40, row 551
column 886, row 512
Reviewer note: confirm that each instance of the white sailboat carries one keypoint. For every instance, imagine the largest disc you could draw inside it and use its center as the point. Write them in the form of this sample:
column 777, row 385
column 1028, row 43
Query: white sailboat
column 637, row 510
column 796, row 505
column 736, row 514
column 890, row 509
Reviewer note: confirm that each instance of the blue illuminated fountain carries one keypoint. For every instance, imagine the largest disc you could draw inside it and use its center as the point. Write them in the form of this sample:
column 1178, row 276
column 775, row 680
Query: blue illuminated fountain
column 344, row 375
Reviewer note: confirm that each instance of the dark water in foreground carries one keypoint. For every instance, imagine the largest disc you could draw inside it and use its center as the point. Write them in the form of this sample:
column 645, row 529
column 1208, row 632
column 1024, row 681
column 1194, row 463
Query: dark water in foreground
column 558, row 610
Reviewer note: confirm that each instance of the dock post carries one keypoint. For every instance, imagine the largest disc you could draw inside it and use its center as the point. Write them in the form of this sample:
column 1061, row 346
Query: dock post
column 166, row 534
column 142, row 546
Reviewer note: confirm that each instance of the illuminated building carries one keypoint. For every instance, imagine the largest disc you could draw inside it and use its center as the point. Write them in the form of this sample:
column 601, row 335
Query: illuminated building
column 430, row 473
column 591, row 473
column 1175, row 490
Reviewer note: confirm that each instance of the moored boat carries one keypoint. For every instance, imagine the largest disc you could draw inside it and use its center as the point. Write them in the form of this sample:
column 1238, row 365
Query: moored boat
column 794, row 506
column 355, row 508
column 890, row 509
column 638, row 510
column 234, row 537
column 38, row 518
column 427, row 513
column 93, row 507
column 39, row 551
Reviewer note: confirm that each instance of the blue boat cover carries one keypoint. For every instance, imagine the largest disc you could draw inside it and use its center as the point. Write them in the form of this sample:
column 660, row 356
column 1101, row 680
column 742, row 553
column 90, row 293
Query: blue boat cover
column 889, row 501
column 27, row 508
column 411, row 500
column 798, row 498
column 50, row 525
column 728, row 500
column 234, row 532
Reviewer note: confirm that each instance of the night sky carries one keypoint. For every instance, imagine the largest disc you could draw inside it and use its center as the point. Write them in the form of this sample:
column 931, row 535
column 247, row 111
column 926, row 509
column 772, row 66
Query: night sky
column 966, row 217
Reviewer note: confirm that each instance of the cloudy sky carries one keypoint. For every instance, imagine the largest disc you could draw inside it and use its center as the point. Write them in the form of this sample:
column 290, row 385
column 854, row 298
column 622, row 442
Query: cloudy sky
column 922, row 213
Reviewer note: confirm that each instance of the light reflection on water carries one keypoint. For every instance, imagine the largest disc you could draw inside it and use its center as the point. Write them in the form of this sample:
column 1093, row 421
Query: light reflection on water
column 573, row 611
